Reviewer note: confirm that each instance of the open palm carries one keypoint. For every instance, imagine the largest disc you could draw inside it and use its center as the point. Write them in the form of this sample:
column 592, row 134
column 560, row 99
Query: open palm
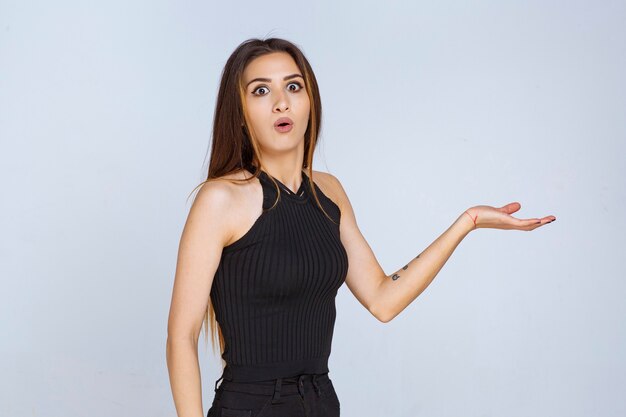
column 500, row 218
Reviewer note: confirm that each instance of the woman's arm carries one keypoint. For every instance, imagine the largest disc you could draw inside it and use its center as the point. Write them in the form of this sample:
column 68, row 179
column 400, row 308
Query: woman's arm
column 396, row 291
column 385, row 296
column 199, row 253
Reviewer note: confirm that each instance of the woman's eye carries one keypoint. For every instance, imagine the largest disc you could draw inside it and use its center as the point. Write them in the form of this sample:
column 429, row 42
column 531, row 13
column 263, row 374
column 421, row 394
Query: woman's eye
column 298, row 84
column 257, row 89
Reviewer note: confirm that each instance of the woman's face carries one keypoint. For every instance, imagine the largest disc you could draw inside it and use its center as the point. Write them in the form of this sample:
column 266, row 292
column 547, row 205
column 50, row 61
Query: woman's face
column 274, row 89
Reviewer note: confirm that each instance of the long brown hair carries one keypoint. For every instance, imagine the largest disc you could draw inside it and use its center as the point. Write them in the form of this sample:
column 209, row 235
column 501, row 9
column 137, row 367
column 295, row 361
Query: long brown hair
column 235, row 147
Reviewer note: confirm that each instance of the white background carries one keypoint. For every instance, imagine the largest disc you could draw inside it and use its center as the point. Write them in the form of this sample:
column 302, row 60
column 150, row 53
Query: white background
column 428, row 109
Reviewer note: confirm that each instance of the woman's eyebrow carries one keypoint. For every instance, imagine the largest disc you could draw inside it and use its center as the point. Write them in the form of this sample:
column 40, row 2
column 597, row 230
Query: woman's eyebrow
column 269, row 80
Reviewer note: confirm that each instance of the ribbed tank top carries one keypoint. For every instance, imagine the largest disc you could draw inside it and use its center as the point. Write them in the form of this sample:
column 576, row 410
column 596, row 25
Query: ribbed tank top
column 274, row 289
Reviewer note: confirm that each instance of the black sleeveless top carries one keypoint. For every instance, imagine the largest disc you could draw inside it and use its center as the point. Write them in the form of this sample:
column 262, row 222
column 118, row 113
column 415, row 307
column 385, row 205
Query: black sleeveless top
column 274, row 290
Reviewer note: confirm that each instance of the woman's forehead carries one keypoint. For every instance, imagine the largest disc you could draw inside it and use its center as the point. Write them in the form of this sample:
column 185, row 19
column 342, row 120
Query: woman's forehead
column 272, row 66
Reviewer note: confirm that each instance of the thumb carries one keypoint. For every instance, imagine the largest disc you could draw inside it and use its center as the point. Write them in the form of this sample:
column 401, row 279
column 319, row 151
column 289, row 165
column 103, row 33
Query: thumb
column 511, row 207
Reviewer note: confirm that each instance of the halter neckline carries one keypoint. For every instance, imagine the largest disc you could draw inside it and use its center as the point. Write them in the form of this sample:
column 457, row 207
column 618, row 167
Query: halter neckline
column 300, row 195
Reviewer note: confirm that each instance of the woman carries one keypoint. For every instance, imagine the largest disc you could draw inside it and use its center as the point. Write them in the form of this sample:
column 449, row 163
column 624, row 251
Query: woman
column 268, row 242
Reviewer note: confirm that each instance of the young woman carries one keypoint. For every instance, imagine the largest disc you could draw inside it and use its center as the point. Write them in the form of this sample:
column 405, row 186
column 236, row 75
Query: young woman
column 268, row 242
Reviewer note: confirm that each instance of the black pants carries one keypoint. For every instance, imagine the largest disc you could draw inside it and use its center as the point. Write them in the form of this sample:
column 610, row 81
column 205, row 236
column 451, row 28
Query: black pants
column 307, row 395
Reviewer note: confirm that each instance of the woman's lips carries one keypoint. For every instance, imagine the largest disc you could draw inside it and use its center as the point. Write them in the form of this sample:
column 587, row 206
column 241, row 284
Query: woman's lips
column 283, row 128
column 284, row 124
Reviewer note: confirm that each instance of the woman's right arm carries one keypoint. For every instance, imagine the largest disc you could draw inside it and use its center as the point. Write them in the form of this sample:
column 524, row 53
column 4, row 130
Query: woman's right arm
column 204, row 235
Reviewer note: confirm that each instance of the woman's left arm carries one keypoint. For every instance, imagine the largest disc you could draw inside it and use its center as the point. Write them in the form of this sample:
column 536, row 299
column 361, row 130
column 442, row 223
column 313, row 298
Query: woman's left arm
column 385, row 296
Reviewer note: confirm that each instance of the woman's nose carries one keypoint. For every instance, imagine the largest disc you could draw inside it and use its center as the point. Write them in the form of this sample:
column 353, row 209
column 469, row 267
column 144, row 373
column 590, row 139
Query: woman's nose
column 282, row 103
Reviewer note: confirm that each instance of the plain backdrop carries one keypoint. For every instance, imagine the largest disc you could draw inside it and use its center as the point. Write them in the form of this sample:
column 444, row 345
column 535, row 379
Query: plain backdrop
column 429, row 108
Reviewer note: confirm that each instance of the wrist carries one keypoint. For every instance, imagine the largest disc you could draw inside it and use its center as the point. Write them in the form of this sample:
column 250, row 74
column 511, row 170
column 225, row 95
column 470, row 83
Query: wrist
column 469, row 220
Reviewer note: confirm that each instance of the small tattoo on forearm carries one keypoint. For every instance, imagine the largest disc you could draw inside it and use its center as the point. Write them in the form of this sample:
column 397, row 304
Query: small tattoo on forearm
column 396, row 276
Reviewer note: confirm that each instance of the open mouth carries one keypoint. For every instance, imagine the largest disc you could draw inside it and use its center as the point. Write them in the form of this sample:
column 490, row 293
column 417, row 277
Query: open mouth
column 283, row 122
column 283, row 127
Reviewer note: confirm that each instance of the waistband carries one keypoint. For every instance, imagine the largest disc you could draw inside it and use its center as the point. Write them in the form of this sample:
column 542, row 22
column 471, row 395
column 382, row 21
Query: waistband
column 275, row 386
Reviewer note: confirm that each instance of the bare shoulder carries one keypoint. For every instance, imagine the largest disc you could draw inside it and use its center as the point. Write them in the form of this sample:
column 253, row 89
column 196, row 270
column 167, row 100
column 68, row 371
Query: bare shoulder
column 331, row 186
column 217, row 194
column 237, row 203
column 209, row 207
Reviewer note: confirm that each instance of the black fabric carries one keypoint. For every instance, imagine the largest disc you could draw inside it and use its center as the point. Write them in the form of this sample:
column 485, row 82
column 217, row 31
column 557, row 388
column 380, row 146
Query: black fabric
column 302, row 396
column 274, row 290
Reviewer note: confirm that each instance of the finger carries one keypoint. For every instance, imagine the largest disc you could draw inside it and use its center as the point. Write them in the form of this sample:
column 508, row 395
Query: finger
column 546, row 220
column 524, row 223
column 531, row 226
column 541, row 222
column 511, row 207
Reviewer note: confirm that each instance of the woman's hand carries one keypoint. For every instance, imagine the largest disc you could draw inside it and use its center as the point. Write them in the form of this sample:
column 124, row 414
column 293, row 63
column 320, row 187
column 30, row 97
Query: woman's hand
column 500, row 218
